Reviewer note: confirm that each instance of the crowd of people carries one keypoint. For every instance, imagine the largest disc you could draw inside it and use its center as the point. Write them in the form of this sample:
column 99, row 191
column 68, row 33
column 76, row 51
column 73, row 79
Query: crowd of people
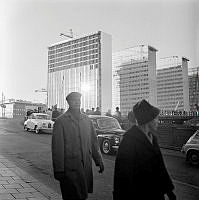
column 54, row 112
column 139, row 173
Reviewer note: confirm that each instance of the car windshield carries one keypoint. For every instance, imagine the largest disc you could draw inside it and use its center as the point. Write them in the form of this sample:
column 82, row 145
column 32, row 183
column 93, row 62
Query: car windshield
column 108, row 123
column 42, row 117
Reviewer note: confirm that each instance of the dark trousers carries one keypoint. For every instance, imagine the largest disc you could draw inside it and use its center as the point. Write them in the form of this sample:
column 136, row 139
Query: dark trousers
column 67, row 191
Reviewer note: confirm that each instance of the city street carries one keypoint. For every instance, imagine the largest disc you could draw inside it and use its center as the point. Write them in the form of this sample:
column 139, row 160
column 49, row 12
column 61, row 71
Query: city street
column 32, row 153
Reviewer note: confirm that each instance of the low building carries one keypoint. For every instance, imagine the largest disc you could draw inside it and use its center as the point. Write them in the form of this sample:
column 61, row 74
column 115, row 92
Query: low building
column 18, row 108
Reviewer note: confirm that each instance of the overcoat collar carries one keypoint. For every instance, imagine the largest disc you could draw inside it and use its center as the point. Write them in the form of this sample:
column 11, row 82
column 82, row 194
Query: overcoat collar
column 68, row 114
column 142, row 138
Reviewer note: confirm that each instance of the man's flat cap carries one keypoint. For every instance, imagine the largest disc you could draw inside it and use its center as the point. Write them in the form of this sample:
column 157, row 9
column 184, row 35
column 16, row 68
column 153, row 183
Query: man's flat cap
column 73, row 95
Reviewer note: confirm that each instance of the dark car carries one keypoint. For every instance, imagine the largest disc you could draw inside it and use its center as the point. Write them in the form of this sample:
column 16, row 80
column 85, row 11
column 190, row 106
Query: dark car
column 109, row 133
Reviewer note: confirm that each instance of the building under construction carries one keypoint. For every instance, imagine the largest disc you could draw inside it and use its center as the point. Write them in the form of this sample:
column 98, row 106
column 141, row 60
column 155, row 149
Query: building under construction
column 134, row 77
column 81, row 64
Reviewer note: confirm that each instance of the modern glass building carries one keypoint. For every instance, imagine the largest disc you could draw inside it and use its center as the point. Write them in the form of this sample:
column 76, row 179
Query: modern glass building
column 172, row 84
column 134, row 77
column 83, row 65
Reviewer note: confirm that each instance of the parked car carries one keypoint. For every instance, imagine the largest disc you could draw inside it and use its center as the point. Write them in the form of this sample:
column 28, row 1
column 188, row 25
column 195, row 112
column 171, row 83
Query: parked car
column 191, row 149
column 109, row 133
column 39, row 122
column 192, row 122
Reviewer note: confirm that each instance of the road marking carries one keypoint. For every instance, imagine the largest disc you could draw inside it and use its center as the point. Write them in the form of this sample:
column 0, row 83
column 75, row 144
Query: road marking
column 175, row 181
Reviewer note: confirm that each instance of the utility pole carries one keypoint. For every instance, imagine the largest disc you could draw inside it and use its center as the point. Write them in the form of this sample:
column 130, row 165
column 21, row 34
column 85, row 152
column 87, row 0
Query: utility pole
column 3, row 106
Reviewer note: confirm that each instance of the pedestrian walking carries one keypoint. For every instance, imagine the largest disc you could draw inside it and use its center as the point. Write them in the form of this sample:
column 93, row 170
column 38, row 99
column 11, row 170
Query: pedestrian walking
column 140, row 172
column 118, row 115
column 55, row 113
column 74, row 144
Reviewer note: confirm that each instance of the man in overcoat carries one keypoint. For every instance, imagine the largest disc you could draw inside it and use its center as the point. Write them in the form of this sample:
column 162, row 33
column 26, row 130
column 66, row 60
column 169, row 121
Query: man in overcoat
column 74, row 144
column 140, row 172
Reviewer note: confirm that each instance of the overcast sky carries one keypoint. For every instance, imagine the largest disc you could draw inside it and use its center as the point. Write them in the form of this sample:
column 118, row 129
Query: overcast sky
column 28, row 27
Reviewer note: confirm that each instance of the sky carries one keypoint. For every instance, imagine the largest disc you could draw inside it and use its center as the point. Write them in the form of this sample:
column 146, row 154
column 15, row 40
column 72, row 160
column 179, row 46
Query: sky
column 28, row 27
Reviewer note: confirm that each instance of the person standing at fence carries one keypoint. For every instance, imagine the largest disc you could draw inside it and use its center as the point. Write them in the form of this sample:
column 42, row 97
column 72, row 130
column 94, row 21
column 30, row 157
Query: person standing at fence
column 140, row 172
column 74, row 144
column 55, row 113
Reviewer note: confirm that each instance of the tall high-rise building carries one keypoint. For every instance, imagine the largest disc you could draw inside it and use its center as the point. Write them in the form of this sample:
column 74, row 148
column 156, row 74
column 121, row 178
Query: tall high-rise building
column 134, row 77
column 193, row 88
column 172, row 84
column 84, row 65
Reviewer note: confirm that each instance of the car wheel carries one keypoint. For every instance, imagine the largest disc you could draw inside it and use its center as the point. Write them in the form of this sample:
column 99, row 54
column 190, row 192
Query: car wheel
column 25, row 128
column 106, row 146
column 193, row 157
column 37, row 131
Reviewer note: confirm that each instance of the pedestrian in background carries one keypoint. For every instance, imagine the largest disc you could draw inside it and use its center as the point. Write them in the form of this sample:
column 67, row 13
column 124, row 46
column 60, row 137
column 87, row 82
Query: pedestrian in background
column 74, row 144
column 55, row 113
column 108, row 113
column 92, row 111
column 118, row 115
column 97, row 111
column 117, row 112
column 131, row 119
column 140, row 172
column 49, row 113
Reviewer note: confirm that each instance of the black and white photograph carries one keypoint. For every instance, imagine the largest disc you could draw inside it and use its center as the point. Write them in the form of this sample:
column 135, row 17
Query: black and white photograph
column 99, row 99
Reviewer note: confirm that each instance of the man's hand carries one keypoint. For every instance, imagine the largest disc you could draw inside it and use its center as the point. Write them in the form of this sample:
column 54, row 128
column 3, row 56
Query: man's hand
column 101, row 166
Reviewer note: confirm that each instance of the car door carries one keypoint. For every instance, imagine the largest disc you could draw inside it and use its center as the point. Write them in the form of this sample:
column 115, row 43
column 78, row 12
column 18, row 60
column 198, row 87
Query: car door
column 28, row 124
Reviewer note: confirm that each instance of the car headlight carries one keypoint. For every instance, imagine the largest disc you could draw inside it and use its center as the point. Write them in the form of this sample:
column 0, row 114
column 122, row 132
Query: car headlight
column 117, row 140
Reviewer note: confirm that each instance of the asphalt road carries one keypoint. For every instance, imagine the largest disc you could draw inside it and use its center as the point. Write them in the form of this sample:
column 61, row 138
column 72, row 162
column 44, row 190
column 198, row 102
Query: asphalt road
column 32, row 153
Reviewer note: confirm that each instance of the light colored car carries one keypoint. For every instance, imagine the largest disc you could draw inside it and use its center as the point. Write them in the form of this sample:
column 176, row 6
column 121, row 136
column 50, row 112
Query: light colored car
column 191, row 149
column 39, row 122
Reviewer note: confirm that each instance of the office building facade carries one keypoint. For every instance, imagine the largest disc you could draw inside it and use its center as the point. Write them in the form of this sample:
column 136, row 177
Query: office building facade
column 193, row 88
column 172, row 84
column 83, row 65
column 134, row 77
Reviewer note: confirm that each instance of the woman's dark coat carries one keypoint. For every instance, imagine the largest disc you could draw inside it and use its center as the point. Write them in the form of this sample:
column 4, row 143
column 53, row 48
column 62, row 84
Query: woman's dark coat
column 140, row 172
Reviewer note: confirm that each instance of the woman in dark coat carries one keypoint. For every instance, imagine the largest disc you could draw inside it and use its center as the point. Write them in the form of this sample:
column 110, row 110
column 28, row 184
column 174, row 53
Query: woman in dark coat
column 140, row 172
